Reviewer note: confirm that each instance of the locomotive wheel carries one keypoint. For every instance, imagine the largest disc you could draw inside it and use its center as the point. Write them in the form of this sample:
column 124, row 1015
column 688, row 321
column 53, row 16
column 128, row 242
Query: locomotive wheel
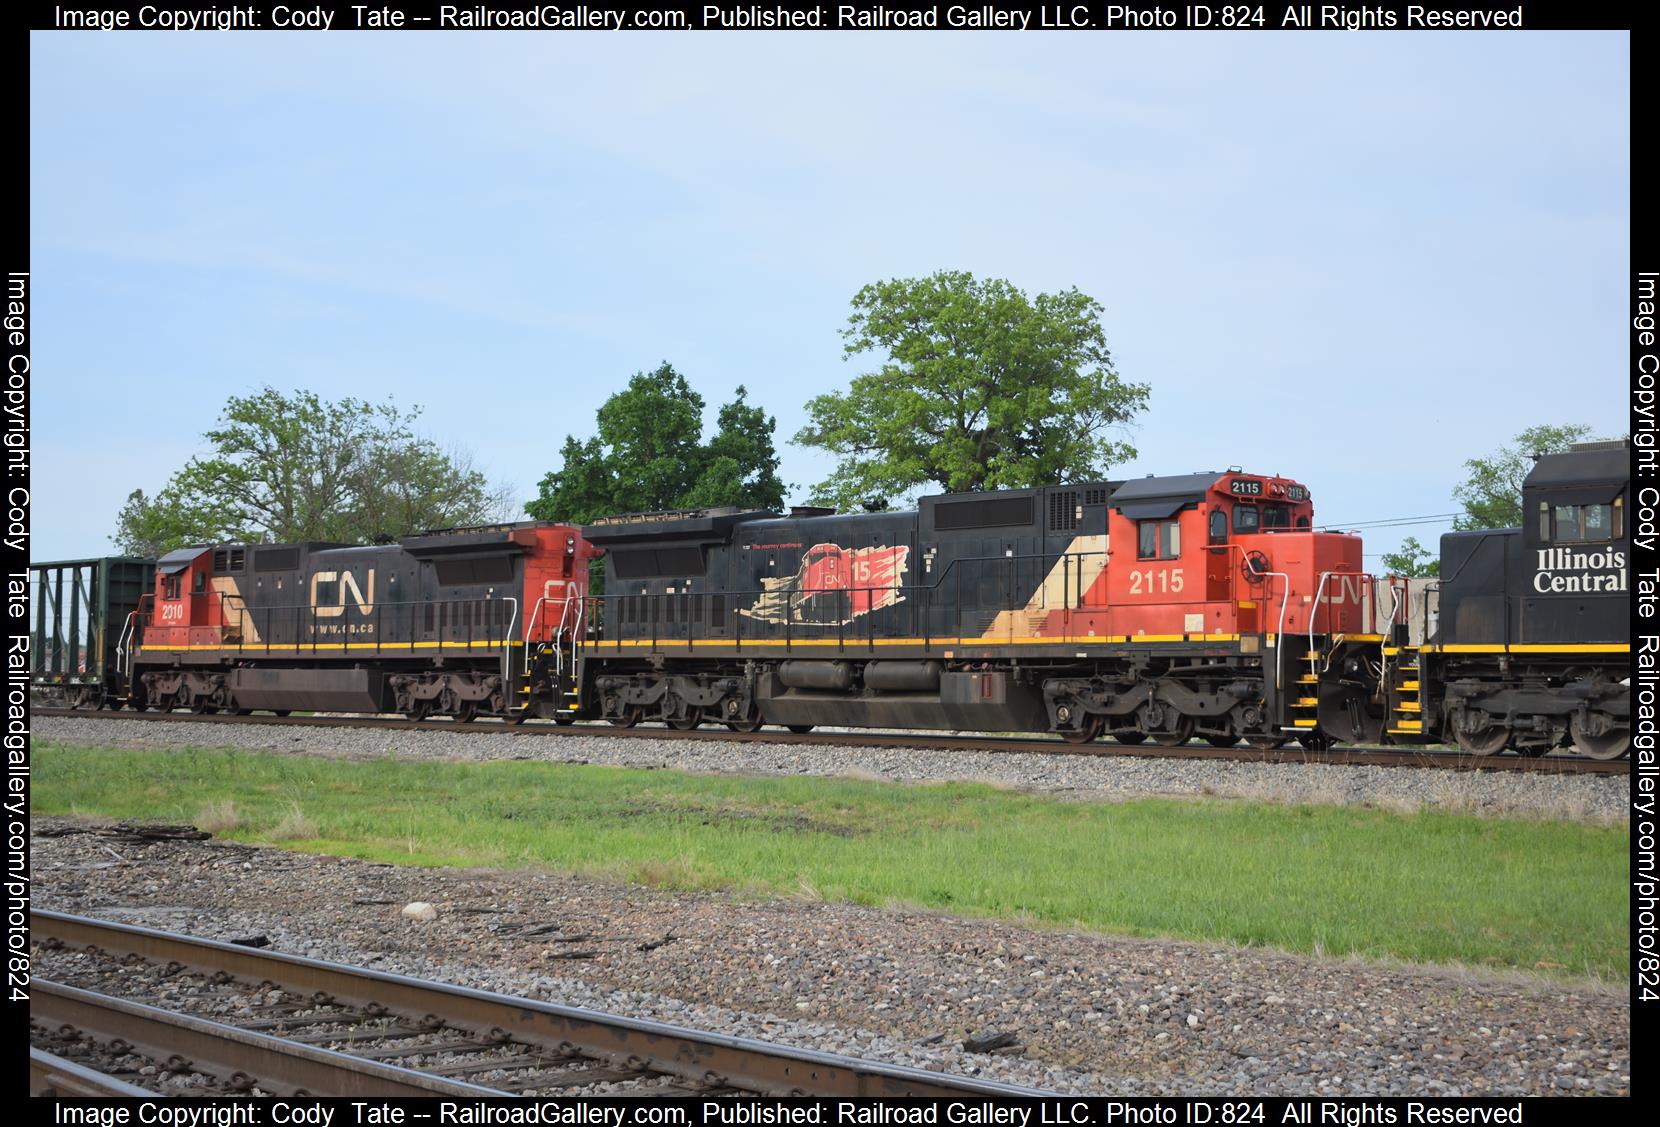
column 627, row 719
column 1177, row 737
column 466, row 712
column 1221, row 741
column 1090, row 730
column 1487, row 741
column 1130, row 736
column 750, row 723
column 685, row 723
column 799, row 729
column 1611, row 744
column 1266, row 743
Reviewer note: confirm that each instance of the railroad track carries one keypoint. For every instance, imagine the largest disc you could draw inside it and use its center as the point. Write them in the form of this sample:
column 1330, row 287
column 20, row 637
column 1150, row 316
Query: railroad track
column 1028, row 745
column 307, row 1027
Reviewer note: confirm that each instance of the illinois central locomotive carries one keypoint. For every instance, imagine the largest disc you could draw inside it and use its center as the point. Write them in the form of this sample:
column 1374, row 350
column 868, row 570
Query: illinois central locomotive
column 1164, row 608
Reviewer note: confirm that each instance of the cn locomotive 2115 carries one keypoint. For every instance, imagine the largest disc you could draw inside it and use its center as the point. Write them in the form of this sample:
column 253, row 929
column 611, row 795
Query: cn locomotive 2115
column 1204, row 605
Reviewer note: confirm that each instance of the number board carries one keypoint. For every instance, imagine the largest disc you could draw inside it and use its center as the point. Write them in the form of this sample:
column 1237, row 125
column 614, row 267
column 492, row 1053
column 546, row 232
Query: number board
column 1245, row 487
column 1296, row 493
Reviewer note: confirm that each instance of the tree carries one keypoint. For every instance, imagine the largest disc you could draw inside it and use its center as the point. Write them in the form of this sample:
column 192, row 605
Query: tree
column 982, row 388
column 1412, row 559
column 298, row 467
column 649, row 456
column 1492, row 491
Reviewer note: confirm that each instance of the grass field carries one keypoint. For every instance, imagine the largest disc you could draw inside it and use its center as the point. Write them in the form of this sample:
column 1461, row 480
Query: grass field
column 1423, row 887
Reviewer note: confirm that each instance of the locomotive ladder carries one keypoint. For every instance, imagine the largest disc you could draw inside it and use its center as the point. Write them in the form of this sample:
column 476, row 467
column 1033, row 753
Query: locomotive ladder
column 565, row 676
column 1406, row 692
column 1305, row 695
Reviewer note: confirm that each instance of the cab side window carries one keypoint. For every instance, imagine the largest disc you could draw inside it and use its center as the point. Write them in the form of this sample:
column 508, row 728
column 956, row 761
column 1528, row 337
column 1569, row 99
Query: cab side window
column 1575, row 524
column 1158, row 540
column 1218, row 527
column 170, row 587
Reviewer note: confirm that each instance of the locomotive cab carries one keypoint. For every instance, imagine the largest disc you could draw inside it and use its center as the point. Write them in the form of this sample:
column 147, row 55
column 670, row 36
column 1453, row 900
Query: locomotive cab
column 1535, row 638
column 1227, row 554
column 185, row 606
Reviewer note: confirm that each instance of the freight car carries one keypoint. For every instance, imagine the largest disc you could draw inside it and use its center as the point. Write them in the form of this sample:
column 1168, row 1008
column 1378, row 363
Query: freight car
column 1165, row 608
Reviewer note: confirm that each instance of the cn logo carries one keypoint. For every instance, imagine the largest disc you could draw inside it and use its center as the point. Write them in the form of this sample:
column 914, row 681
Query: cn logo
column 1348, row 589
column 348, row 585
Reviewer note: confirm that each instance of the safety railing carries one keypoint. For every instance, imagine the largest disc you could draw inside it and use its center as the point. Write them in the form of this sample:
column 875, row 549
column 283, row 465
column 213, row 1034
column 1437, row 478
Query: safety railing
column 442, row 625
column 968, row 590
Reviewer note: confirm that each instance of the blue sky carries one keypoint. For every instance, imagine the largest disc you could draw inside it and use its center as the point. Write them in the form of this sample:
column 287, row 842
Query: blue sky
column 1356, row 259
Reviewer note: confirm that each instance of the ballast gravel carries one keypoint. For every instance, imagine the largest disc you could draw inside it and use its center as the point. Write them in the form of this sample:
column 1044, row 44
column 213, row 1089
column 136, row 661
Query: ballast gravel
column 1117, row 778
column 1091, row 1013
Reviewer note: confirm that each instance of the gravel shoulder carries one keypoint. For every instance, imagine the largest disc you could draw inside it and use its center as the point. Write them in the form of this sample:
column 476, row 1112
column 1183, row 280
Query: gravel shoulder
column 1506, row 794
column 1094, row 1013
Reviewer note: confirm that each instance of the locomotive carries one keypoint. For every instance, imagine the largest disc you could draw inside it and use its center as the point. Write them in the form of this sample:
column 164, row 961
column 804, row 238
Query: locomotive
column 439, row 624
column 1203, row 605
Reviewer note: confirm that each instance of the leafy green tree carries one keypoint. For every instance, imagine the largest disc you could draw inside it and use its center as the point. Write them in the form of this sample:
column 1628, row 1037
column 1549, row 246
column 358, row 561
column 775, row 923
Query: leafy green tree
column 982, row 388
column 1491, row 493
column 1411, row 559
column 299, row 467
column 649, row 456
column 152, row 527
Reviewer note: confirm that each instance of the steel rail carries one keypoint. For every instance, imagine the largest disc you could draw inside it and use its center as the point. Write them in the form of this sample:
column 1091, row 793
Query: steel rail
column 51, row 1075
column 1012, row 745
column 244, row 1059
column 710, row 1059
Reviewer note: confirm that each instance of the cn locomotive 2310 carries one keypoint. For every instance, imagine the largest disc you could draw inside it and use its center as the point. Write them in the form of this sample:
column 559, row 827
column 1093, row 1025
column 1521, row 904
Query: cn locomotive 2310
column 1165, row 608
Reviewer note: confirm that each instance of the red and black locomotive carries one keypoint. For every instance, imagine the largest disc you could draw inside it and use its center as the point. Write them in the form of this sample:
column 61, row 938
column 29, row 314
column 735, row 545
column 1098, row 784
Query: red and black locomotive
column 1165, row 608
column 456, row 623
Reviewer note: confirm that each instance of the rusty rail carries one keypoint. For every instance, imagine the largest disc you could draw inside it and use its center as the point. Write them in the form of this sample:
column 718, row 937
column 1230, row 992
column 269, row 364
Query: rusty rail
column 244, row 1058
column 51, row 1075
column 702, row 1060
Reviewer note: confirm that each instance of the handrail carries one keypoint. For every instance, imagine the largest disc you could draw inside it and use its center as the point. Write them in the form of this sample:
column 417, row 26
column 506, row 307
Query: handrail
column 535, row 613
column 507, row 646
column 146, row 617
column 1279, row 633
column 121, row 643
column 1467, row 559
column 129, row 629
column 1319, row 594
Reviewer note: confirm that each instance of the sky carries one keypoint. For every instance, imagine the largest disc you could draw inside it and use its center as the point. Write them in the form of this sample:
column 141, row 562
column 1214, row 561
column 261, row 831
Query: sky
column 1354, row 259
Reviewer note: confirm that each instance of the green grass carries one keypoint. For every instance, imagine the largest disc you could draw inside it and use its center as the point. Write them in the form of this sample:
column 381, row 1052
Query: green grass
column 1430, row 887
